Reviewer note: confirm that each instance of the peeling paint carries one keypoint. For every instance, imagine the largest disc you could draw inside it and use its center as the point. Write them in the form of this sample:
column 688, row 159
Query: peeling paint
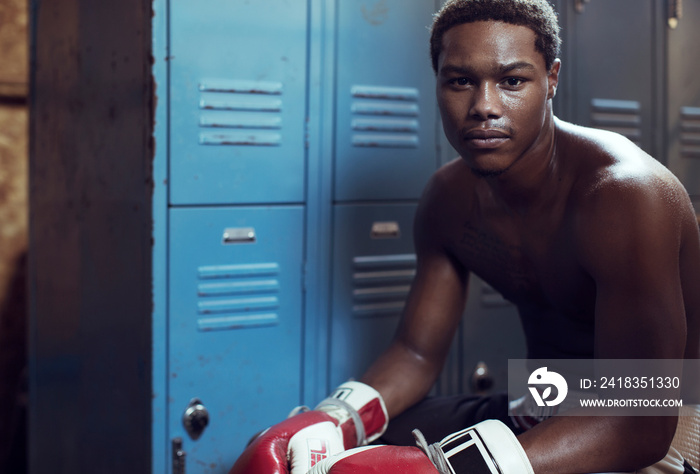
column 377, row 14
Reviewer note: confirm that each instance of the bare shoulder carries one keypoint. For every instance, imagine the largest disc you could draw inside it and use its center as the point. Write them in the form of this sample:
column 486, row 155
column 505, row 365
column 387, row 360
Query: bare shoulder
column 621, row 191
column 616, row 176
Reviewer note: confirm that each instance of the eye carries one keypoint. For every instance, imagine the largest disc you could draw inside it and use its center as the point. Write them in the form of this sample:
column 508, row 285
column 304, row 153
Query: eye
column 460, row 81
column 514, row 82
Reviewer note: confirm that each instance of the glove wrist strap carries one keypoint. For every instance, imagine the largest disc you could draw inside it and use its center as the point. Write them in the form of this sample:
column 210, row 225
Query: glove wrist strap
column 360, row 405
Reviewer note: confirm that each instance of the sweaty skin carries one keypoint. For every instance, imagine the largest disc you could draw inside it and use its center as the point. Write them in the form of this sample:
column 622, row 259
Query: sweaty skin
column 594, row 241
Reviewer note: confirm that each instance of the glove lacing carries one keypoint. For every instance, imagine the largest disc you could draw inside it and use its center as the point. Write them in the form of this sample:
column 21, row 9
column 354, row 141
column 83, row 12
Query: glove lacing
column 359, row 425
column 434, row 453
column 297, row 410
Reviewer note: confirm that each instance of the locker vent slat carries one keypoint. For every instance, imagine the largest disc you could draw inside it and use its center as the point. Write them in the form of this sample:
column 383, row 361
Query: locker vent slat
column 387, row 261
column 237, row 296
column 243, row 113
column 232, row 271
column 241, row 86
column 690, row 132
column 621, row 116
column 381, row 284
column 234, row 305
column 385, row 117
column 236, row 322
column 237, row 287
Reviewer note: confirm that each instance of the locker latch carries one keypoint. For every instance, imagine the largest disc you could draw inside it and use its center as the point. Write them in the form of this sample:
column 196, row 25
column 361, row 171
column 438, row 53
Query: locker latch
column 195, row 418
column 178, row 456
column 580, row 5
column 481, row 379
column 675, row 13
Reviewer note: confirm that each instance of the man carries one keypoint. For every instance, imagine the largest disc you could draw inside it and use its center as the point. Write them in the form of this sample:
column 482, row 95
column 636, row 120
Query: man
column 594, row 241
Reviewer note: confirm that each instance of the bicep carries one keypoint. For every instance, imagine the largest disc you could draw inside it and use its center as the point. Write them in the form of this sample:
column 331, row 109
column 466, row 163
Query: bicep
column 408, row 368
column 434, row 306
column 630, row 248
column 438, row 292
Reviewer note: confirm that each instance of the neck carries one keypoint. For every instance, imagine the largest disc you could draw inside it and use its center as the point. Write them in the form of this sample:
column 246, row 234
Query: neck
column 534, row 178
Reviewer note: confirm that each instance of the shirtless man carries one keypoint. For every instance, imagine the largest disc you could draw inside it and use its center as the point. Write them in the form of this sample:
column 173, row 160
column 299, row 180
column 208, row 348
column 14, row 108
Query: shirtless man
column 593, row 240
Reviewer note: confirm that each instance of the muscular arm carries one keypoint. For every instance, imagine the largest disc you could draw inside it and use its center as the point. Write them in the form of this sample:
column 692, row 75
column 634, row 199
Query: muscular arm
column 407, row 370
column 628, row 239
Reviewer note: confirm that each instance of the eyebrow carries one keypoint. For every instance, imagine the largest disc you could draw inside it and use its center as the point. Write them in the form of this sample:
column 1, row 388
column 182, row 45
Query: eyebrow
column 499, row 69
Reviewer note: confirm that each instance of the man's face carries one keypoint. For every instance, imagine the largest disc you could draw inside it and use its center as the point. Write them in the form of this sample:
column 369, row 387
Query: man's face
column 493, row 89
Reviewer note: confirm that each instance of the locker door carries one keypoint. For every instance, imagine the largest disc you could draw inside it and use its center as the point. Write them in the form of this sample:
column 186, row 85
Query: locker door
column 235, row 325
column 684, row 99
column 238, row 93
column 385, row 109
column 491, row 334
column 611, row 52
column 373, row 267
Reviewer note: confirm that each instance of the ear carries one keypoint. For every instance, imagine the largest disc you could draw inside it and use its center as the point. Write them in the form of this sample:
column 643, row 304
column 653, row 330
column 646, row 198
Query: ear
column 553, row 79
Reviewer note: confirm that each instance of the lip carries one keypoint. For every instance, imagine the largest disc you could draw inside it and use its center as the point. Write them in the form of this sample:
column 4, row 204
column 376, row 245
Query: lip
column 486, row 138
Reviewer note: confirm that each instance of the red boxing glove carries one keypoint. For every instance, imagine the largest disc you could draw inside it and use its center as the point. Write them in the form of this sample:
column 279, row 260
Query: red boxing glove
column 352, row 416
column 378, row 460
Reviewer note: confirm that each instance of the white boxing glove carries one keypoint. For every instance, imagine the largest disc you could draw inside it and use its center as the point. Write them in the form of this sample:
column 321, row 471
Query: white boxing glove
column 487, row 447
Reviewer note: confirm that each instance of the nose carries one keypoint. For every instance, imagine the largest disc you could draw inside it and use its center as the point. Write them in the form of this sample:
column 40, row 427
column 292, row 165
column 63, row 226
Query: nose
column 486, row 102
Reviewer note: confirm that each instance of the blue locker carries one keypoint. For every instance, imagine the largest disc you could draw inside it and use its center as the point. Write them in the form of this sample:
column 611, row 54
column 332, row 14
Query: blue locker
column 296, row 103
column 373, row 267
column 238, row 101
column 235, row 325
column 385, row 100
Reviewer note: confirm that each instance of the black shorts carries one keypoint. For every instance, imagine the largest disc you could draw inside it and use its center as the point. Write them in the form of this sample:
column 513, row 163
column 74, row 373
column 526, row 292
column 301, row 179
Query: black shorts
column 438, row 417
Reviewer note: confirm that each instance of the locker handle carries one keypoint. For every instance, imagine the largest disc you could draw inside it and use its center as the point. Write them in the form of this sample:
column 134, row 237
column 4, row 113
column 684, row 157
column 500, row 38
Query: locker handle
column 481, row 379
column 580, row 5
column 195, row 419
column 385, row 230
column 675, row 13
column 239, row 235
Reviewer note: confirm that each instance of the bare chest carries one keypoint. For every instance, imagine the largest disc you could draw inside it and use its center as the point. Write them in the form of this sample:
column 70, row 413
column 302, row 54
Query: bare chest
column 534, row 266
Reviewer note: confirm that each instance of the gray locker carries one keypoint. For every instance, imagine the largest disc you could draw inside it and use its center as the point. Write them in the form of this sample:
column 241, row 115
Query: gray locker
column 609, row 61
column 238, row 101
column 491, row 334
column 373, row 266
column 683, row 129
column 385, row 101
column 235, row 325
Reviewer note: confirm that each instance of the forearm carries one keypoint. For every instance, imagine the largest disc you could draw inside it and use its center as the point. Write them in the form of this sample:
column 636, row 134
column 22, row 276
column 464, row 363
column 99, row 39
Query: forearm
column 569, row 444
column 402, row 377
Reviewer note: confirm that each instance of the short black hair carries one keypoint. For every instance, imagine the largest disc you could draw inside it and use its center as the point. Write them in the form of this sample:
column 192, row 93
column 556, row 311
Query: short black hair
column 538, row 15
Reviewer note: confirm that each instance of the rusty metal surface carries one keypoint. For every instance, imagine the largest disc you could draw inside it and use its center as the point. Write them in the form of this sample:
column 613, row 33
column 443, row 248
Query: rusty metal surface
column 90, row 237
column 13, row 231
column 13, row 41
column 13, row 187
